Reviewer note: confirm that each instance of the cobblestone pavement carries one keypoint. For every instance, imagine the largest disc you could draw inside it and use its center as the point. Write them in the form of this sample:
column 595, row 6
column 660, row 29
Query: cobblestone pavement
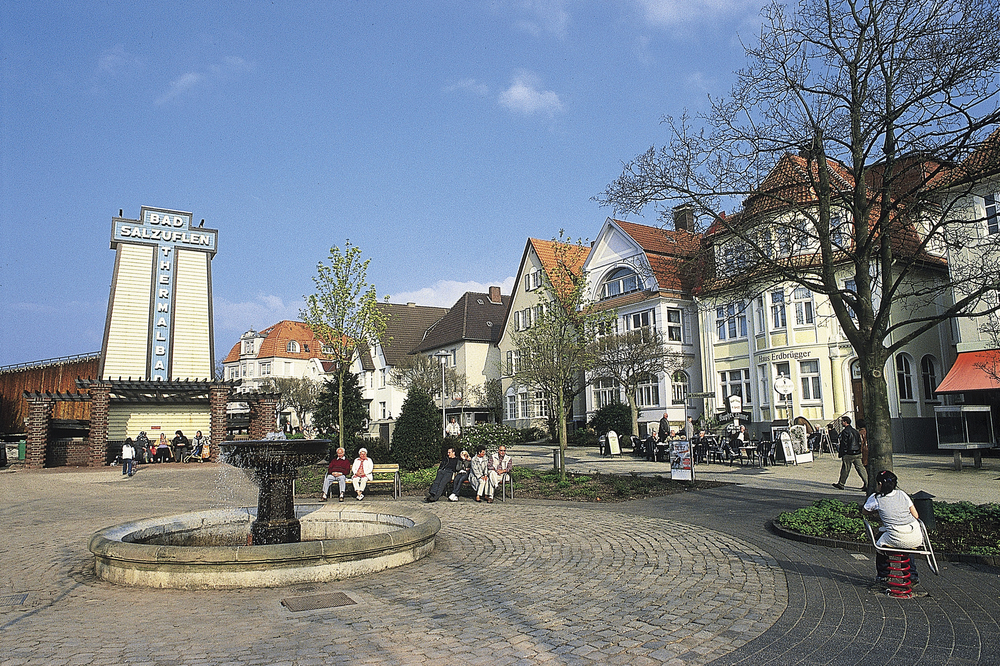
column 507, row 583
column 691, row 578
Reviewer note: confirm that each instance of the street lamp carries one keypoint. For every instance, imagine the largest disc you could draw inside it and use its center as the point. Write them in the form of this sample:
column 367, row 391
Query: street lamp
column 443, row 355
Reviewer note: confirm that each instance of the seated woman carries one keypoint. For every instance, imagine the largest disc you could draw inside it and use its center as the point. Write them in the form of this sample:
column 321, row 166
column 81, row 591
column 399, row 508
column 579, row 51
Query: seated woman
column 361, row 473
column 163, row 453
column 900, row 528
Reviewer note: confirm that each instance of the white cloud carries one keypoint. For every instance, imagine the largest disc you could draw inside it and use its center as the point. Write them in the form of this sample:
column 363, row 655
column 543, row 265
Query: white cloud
column 235, row 319
column 179, row 86
column 469, row 85
column 670, row 13
column 220, row 71
column 116, row 61
column 444, row 293
column 525, row 96
column 543, row 16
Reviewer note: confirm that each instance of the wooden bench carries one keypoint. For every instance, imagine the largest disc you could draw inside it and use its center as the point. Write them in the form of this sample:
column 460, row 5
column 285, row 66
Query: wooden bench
column 384, row 470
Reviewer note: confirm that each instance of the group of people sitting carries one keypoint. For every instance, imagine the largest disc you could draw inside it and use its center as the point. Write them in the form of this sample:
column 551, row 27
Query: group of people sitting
column 341, row 469
column 179, row 449
column 483, row 472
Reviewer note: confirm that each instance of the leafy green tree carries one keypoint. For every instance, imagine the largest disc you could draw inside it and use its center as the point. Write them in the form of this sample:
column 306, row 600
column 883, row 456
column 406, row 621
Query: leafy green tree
column 417, row 437
column 860, row 111
column 343, row 313
column 327, row 417
column 555, row 352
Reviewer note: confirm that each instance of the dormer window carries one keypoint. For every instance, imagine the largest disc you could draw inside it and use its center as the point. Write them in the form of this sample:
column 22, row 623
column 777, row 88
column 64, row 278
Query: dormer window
column 622, row 281
column 292, row 347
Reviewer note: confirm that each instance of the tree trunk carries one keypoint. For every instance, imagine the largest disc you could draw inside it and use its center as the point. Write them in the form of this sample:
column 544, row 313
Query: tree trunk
column 340, row 407
column 562, row 436
column 877, row 423
column 635, row 412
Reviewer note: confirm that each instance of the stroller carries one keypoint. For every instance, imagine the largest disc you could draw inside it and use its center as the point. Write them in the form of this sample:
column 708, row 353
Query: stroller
column 198, row 456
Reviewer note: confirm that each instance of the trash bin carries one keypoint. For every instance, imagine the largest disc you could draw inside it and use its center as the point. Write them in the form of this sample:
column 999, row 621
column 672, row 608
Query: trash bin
column 21, row 447
column 925, row 508
column 556, row 457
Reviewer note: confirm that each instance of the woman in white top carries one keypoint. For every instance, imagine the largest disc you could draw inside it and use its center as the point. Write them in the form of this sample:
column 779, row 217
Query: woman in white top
column 361, row 473
column 899, row 520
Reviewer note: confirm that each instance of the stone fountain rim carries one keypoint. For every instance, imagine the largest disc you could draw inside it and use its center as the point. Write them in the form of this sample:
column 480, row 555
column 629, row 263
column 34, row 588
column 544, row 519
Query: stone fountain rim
column 109, row 543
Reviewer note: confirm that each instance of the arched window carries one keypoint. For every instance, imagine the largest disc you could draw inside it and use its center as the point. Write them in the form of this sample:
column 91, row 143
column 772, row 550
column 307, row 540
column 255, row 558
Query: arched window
column 647, row 391
column 679, row 383
column 292, row 347
column 904, row 377
column 928, row 373
column 622, row 281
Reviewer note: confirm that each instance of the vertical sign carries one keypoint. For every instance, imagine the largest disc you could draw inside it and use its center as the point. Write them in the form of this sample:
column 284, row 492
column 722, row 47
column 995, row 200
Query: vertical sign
column 170, row 231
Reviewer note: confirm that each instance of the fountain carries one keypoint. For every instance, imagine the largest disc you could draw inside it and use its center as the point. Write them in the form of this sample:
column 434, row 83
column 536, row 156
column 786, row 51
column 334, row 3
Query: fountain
column 275, row 545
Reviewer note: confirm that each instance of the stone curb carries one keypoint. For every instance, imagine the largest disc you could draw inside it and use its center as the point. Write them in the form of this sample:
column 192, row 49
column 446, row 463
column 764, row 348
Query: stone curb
column 859, row 547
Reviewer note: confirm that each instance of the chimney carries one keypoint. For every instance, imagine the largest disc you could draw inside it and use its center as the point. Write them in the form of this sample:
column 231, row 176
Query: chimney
column 495, row 295
column 684, row 217
column 411, row 304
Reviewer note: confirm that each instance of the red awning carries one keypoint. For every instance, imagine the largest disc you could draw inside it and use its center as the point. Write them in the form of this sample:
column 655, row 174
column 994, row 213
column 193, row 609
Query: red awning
column 973, row 371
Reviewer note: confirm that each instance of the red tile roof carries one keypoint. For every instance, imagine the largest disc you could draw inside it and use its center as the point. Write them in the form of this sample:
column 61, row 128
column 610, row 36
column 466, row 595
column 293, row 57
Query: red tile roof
column 669, row 252
column 276, row 339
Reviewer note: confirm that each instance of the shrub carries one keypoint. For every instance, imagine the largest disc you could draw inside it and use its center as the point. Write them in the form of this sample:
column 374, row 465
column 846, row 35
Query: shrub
column 490, row 435
column 417, row 439
column 531, row 434
column 616, row 416
column 583, row 437
column 826, row 517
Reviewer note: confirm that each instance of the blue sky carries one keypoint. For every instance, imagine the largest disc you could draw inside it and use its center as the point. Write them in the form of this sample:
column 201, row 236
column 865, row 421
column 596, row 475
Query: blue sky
column 437, row 136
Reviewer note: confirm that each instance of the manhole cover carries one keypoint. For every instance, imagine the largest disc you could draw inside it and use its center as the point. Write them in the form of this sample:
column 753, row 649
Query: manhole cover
column 317, row 601
column 12, row 599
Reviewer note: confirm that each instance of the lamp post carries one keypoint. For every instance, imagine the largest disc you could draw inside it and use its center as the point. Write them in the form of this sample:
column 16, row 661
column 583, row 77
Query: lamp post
column 443, row 355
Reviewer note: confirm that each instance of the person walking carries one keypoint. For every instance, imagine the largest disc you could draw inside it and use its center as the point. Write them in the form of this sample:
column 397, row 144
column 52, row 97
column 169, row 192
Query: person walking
column 850, row 455
column 128, row 458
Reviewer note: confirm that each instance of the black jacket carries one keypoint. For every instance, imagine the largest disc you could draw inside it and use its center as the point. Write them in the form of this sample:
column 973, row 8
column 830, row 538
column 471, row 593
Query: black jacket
column 850, row 442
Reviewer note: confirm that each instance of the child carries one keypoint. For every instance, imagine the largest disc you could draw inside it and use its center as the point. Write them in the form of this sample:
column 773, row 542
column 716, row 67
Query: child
column 899, row 521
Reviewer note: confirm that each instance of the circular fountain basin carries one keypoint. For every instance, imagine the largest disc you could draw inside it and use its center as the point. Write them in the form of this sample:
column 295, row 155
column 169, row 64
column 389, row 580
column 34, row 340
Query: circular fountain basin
column 207, row 549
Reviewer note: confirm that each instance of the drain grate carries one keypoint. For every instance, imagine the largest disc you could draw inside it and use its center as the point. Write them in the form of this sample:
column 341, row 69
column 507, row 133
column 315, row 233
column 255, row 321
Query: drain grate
column 317, row 601
column 12, row 599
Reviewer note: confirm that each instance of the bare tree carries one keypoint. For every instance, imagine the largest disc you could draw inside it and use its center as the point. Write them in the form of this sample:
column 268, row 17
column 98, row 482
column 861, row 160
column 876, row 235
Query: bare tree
column 297, row 393
column 425, row 372
column 632, row 357
column 841, row 139
column 343, row 313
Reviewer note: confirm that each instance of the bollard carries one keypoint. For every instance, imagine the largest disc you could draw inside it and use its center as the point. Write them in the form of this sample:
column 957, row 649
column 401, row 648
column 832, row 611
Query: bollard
column 555, row 459
column 925, row 508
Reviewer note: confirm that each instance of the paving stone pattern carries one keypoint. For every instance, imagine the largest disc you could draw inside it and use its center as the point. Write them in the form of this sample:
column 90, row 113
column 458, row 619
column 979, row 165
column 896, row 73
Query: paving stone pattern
column 687, row 579
column 508, row 583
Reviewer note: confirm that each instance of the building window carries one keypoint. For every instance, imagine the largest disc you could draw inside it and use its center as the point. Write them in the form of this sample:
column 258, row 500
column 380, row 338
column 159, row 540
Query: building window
column 533, row 280
column 731, row 321
column 292, row 347
column 512, row 359
column 760, row 314
column 735, row 382
column 778, row 310
column 640, row 320
column 928, row 373
column 511, row 407
column 851, row 286
column 381, row 377
column 605, row 393
column 992, row 220
column 647, row 391
column 265, row 368
column 765, row 394
column 809, row 374
column 904, row 377
column 679, row 384
column 840, row 231
column 383, row 411
column 675, row 325
column 803, row 306
column 524, row 404
column 622, row 281
column 541, row 405
column 454, row 357
column 248, row 347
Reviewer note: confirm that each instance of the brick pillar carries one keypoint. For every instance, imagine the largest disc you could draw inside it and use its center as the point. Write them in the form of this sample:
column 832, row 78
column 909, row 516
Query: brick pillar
column 263, row 415
column 218, row 398
column 39, row 419
column 100, row 398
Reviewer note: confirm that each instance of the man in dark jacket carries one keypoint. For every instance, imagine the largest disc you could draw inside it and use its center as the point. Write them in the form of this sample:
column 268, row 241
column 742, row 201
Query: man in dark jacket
column 850, row 454
column 446, row 470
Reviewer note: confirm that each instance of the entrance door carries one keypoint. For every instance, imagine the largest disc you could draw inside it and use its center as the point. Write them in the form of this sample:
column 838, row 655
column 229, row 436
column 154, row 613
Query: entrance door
column 857, row 392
